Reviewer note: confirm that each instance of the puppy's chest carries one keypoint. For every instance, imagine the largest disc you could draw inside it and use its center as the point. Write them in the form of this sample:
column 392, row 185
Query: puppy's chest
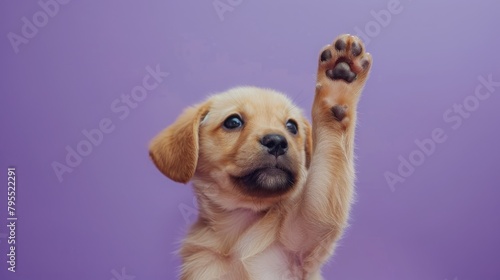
column 274, row 262
column 257, row 251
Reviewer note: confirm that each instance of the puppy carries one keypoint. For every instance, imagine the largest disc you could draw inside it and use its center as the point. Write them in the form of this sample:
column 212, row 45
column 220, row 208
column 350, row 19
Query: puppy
column 274, row 192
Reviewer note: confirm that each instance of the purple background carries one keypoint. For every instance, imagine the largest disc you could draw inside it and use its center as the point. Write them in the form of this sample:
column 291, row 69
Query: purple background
column 115, row 210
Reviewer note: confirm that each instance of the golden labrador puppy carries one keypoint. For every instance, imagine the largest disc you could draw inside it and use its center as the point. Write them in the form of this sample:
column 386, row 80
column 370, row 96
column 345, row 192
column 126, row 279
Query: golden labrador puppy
column 274, row 192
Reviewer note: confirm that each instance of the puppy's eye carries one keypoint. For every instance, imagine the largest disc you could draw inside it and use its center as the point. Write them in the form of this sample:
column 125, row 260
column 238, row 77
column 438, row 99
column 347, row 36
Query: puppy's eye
column 233, row 122
column 291, row 125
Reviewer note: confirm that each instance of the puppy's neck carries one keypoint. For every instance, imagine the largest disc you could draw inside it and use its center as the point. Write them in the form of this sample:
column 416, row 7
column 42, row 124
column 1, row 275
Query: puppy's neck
column 226, row 224
column 216, row 215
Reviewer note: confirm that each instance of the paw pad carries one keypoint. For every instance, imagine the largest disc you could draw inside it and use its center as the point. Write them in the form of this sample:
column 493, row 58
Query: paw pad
column 340, row 45
column 339, row 112
column 341, row 71
column 345, row 60
column 326, row 55
column 356, row 49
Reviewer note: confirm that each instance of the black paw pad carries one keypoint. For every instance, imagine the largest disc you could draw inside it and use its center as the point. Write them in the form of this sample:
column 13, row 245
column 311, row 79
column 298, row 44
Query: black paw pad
column 339, row 112
column 326, row 55
column 340, row 45
column 356, row 49
column 365, row 63
column 342, row 71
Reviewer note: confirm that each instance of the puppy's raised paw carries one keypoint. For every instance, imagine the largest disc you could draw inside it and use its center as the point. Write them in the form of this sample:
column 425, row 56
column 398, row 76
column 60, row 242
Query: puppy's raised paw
column 345, row 60
column 343, row 68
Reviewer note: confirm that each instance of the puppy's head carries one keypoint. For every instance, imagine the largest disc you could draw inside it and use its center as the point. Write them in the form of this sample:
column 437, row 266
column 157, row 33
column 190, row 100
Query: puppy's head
column 251, row 147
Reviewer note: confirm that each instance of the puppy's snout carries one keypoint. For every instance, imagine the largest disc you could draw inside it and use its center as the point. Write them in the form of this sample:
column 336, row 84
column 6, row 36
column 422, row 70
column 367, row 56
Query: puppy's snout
column 276, row 144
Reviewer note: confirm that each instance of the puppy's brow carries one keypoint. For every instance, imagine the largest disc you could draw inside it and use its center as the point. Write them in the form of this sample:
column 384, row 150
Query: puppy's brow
column 236, row 101
column 294, row 102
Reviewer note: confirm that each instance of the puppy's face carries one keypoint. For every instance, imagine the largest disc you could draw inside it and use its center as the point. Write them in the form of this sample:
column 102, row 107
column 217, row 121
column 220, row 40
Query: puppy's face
column 250, row 146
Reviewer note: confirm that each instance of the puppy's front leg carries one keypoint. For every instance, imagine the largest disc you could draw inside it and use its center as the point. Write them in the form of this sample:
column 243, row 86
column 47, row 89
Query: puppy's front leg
column 324, row 209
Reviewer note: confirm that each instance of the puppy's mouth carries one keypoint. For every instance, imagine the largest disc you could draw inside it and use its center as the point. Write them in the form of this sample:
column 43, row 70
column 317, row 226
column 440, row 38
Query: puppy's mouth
column 266, row 181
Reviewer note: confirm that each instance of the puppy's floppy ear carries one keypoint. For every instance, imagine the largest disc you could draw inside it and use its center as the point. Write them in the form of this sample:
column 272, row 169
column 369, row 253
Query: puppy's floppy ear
column 175, row 150
column 308, row 143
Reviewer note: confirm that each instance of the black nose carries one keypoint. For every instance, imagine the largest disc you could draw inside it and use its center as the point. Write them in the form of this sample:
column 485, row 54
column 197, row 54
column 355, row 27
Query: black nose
column 276, row 144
